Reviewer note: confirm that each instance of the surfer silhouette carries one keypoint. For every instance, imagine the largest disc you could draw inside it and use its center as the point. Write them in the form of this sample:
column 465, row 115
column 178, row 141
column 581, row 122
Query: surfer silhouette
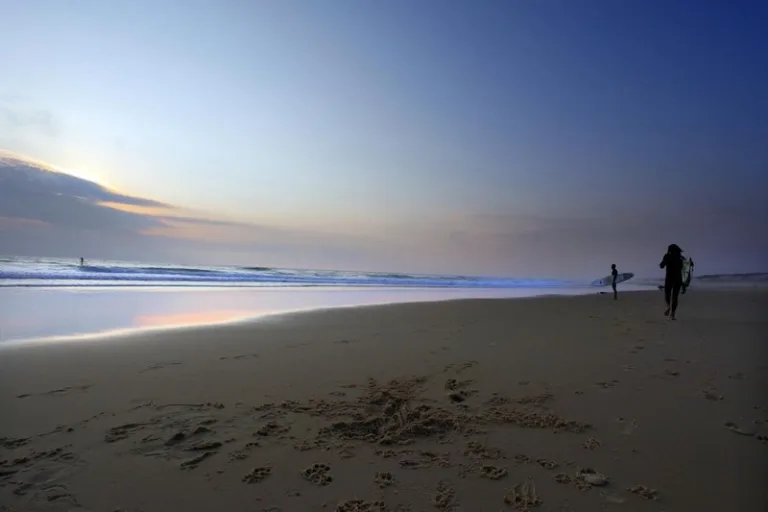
column 673, row 280
column 614, row 276
column 82, row 261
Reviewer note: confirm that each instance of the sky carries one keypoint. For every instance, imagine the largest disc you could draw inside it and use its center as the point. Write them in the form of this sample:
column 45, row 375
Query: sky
column 543, row 138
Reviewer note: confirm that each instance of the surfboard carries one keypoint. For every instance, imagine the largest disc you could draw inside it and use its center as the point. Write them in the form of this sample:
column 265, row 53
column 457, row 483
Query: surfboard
column 686, row 271
column 606, row 281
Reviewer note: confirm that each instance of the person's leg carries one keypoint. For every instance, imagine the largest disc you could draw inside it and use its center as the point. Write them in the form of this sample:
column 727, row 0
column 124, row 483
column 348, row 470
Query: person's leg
column 667, row 296
column 615, row 293
column 675, row 296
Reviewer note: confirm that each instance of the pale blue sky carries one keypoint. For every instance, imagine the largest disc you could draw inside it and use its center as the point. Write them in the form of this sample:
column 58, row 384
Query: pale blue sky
column 417, row 120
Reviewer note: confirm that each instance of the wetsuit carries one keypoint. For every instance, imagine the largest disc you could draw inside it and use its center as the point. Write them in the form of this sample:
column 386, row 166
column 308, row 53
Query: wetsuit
column 615, row 274
column 673, row 281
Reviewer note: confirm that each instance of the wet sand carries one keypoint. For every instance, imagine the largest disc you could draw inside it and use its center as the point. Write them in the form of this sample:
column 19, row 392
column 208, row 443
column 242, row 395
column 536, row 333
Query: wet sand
column 557, row 403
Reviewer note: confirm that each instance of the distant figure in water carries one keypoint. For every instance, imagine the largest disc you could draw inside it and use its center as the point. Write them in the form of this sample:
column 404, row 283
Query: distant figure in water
column 614, row 276
column 673, row 281
column 82, row 261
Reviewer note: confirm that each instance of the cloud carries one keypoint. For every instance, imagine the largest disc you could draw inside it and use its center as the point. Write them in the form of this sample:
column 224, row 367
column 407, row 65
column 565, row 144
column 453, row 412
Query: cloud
column 17, row 114
column 35, row 192
column 46, row 212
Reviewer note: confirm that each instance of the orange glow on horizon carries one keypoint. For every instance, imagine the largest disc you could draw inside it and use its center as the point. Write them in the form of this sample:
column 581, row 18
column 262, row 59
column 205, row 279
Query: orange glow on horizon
column 152, row 211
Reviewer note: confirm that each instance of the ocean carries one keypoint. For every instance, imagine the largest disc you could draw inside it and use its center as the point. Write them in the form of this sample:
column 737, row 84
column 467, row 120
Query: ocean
column 50, row 298
column 53, row 272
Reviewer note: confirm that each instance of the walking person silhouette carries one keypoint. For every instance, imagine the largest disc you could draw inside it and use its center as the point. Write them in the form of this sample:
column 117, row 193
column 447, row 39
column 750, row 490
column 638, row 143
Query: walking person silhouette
column 673, row 280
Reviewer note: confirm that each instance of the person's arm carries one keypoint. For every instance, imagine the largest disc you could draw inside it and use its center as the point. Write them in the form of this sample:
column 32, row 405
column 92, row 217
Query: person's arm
column 663, row 262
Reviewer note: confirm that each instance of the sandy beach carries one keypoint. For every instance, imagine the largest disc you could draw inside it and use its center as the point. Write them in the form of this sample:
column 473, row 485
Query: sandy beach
column 552, row 404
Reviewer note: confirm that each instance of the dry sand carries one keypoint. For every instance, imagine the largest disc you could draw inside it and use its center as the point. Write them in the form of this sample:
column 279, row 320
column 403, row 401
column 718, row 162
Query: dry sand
column 562, row 403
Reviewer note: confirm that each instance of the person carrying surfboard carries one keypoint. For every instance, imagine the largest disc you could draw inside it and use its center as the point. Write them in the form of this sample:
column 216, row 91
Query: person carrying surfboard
column 673, row 281
column 614, row 276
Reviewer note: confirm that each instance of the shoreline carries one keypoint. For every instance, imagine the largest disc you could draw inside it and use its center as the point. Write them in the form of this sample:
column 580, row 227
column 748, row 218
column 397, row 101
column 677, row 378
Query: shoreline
column 127, row 307
column 454, row 404
column 130, row 334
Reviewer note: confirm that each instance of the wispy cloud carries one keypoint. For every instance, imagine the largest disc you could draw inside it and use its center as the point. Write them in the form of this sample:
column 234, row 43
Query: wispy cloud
column 17, row 114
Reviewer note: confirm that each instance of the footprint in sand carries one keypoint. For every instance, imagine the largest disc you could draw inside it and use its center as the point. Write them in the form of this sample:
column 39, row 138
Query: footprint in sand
column 202, row 446
column 645, row 492
column 256, row 475
column 318, row 474
column 11, row 443
column 240, row 357
column 121, row 432
column 733, row 427
column 591, row 444
column 195, row 461
column 591, row 477
column 711, row 394
column 497, row 399
column 445, row 496
column 272, row 428
column 384, row 479
column 547, row 464
column 243, row 453
column 457, row 391
column 159, row 366
column 480, row 450
column 493, row 472
column 521, row 458
column 361, row 506
column 60, row 391
column 523, row 496
column 453, row 384
column 459, row 367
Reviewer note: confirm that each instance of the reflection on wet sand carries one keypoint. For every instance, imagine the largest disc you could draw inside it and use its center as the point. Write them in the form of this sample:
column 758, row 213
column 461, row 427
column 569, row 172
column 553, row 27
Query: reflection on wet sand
column 190, row 319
